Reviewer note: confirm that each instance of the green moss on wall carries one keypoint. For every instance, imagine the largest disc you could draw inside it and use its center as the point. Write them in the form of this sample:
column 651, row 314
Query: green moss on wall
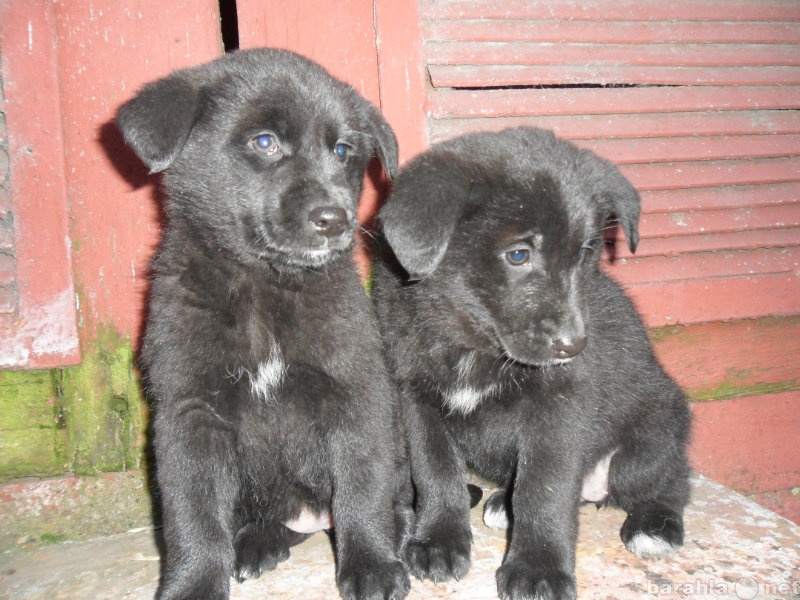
column 87, row 419
column 105, row 409
column 31, row 429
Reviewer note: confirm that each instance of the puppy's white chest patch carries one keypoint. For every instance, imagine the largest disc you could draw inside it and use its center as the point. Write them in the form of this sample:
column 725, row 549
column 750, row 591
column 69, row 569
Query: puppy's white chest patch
column 465, row 394
column 268, row 376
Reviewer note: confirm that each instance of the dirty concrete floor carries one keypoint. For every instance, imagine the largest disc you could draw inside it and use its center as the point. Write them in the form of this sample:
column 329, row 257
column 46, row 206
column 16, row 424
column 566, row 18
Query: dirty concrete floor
column 734, row 549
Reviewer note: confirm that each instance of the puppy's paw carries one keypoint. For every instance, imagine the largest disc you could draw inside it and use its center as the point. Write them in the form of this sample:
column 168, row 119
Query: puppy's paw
column 382, row 581
column 257, row 551
column 496, row 511
column 653, row 531
column 440, row 557
column 521, row 580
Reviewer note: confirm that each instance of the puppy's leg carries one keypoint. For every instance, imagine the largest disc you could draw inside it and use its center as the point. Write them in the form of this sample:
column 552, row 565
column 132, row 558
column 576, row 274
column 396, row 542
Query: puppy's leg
column 367, row 566
column 540, row 563
column 440, row 547
column 360, row 451
column 198, row 482
column 649, row 479
column 261, row 546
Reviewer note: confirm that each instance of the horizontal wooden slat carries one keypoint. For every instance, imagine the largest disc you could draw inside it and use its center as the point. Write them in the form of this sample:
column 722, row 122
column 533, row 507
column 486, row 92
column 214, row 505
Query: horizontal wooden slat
column 535, row 53
column 587, row 126
column 446, row 103
column 621, row 10
column 719, row 221
column 703, row 265
column 739, row 196
column 666, row 246
column 614, row 32
column 659, row 176
column 695, row 148
column 735, row 355
column 499, row 76
column 705, row 300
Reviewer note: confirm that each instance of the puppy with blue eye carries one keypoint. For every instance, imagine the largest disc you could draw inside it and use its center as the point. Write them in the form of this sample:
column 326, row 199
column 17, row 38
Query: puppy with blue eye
column 274, row 413
column 519, row 358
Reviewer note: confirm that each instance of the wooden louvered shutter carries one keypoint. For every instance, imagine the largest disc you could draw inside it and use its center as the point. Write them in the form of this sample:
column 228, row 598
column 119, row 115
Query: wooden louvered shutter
column 697, row 101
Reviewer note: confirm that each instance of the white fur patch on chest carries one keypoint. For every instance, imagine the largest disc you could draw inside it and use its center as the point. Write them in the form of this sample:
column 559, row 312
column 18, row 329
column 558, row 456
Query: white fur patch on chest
column 464, row 396
column 269, row 376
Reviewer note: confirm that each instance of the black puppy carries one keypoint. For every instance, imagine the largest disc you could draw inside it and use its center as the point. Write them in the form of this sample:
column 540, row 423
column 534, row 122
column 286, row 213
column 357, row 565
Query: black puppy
column 519, row 358
column 274, row 411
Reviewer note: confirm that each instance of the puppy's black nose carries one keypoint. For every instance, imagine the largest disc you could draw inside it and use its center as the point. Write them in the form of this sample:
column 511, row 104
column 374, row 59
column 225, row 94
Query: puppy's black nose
column 569, row 347
column 329, row 221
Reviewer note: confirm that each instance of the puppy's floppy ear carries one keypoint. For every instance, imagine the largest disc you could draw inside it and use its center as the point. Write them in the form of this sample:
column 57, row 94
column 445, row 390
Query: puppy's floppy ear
column 617, row 196
column 422, row 211
column 157, row 121
column 383, row 140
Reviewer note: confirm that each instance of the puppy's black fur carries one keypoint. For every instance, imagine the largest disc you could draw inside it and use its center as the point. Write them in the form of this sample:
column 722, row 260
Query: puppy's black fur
column 273, row 406
column 519, row 358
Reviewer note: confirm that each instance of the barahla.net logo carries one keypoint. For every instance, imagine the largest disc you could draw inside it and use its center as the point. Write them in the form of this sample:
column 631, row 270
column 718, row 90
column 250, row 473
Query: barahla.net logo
column 744, row 588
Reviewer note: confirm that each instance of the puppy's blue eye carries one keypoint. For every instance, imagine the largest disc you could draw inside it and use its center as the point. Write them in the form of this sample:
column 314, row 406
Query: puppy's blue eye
column 266, row 142
column 341, row 150
column 518, row 257
column 584, row 251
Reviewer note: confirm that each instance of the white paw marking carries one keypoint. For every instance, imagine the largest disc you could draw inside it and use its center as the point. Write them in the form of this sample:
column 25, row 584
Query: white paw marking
column 495, row 518
column 646, row 546
column 309, row 521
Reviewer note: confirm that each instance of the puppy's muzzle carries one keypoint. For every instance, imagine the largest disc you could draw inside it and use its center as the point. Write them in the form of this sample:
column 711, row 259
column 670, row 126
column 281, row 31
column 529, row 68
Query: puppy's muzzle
column 329, row 221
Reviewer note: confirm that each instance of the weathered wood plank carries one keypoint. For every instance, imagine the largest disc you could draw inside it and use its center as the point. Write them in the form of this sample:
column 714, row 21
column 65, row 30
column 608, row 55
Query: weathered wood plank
column 446, row 103
column 536, row 53
column 732, row 358
column 695, row 222
column 494, row 76
column 739, row 196
column 639, row 270
column 659, row 176
column 694, row 148
column 622, row 10
column 620, row 32
column 738, row 240
column 705, row 300
column 588, row 126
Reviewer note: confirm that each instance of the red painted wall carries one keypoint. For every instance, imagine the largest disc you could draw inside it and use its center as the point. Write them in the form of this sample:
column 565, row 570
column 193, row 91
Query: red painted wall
column 107, row 50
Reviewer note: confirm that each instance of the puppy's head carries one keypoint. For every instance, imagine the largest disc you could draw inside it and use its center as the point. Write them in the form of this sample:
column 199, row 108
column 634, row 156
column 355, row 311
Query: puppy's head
column 505, row 229
column 264, row 154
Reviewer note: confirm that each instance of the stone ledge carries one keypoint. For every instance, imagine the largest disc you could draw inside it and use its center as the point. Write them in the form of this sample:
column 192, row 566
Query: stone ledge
column 734, row 549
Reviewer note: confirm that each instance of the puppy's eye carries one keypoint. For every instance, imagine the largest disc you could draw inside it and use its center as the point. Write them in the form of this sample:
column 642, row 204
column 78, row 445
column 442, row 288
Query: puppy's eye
column 518, row 257
column 585, row 250
column 266, row 143
column 341, row 150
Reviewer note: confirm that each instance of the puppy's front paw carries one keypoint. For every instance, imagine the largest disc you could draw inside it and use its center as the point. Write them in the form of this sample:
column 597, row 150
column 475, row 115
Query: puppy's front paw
column 258, row 551
column 521, row 580
column 439, row 557
column 652, row 531
column 384, row 581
